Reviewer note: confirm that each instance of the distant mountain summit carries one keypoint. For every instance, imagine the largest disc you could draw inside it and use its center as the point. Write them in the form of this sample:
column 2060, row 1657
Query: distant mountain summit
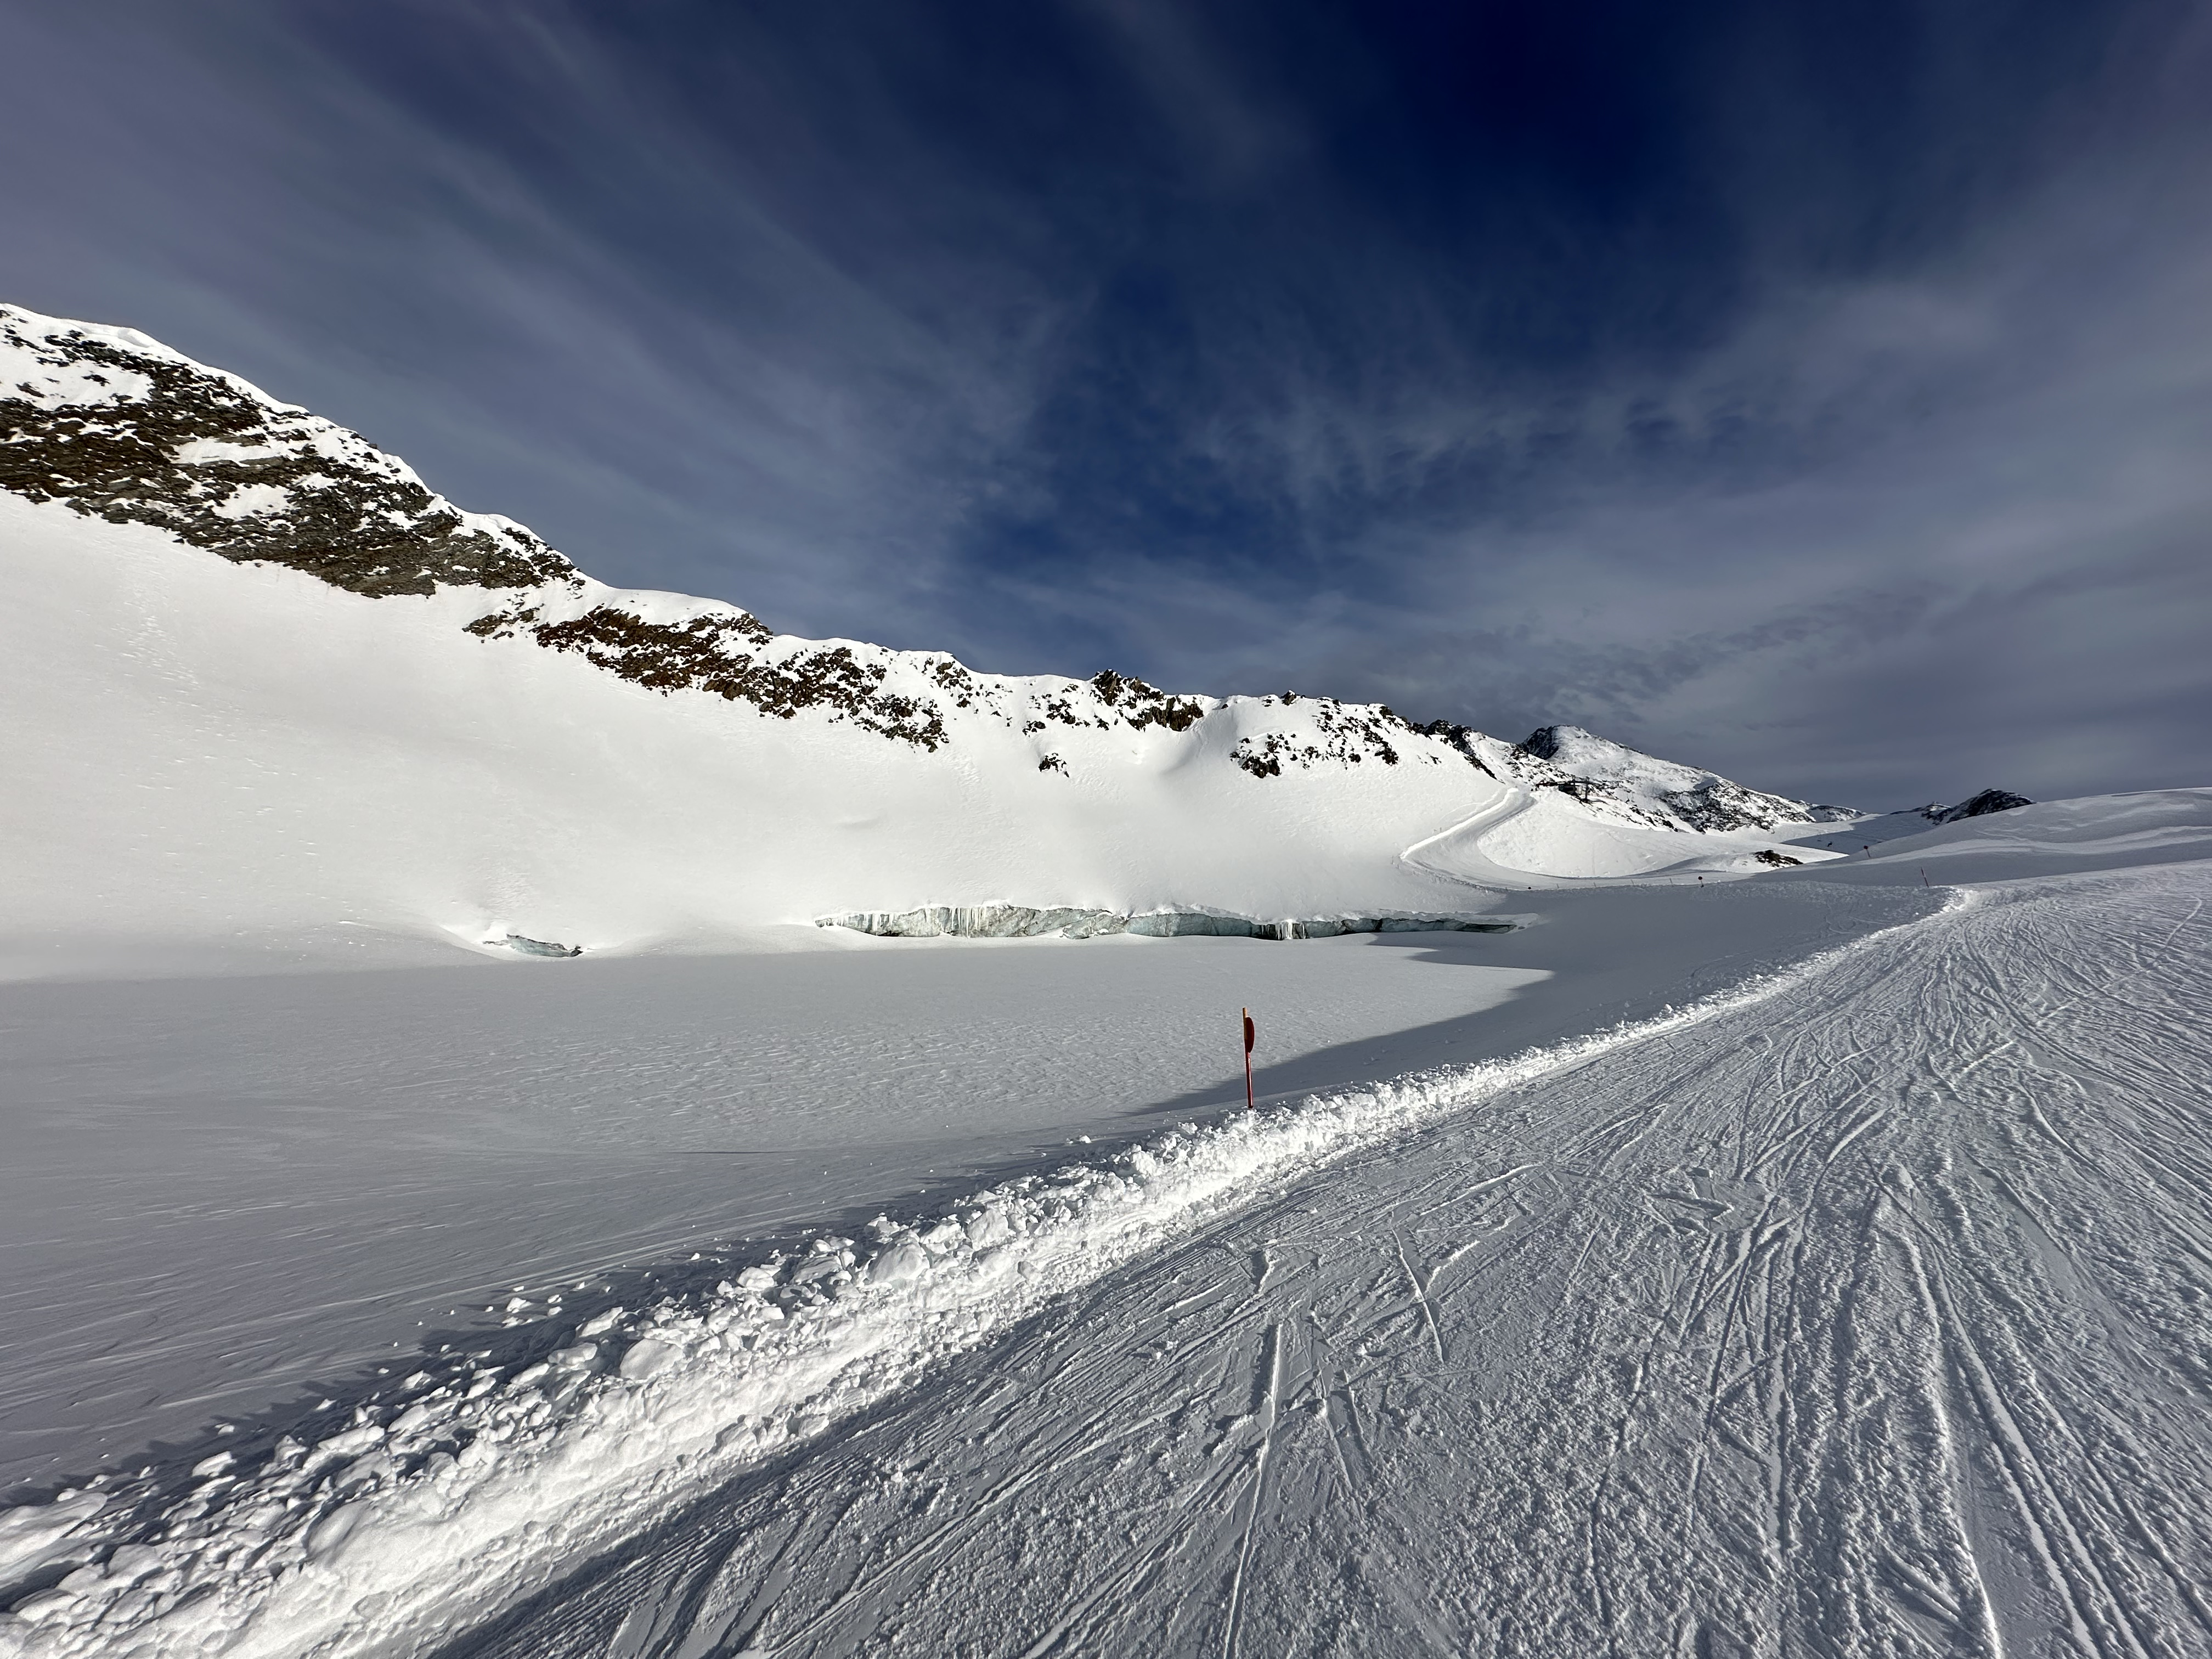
column 1974, row 806
column 119, row 427
column 147, row 488
column 1865, row 834
column 1599, row 772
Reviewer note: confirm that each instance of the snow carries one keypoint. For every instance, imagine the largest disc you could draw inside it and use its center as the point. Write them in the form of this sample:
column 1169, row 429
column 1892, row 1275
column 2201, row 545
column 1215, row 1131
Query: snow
column 368, row 784
column 1645, row 787
column 1870, row 832
column 491, row 1487
column 1946, row 1164
column 33, row 1536
column 195, row 1164
column 216, row 1189
column 233, row 756
column 460, row 1199
column 248, row 499
column 219, row 449
column 1861, row 1319
column 2100, row 831
column 1535, row 838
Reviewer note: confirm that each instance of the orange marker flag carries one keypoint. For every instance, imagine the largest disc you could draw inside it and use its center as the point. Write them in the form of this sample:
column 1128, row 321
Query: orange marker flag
column 1250, row 1032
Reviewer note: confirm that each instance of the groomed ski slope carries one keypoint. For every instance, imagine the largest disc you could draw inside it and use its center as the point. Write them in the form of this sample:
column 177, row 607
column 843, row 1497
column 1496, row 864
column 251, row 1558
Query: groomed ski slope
column 1866, row 1318
column 1854, row 1309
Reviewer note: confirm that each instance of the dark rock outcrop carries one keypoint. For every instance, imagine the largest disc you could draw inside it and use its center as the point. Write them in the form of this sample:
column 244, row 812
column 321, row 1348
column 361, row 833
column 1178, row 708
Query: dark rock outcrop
column 1990, row 800
column 162, row 441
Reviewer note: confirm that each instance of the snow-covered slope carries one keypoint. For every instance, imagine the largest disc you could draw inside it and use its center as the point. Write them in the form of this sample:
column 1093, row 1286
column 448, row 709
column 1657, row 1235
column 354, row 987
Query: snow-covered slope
column 1580, row 808
column 1617, row 781
column 1865, row 833
column 1242, row 1302
column 270, row 693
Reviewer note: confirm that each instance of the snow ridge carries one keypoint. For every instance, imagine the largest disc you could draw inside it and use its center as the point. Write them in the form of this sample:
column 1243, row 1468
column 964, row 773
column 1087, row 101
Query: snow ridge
column 1615, row 780
column 1975, row 806
column 120, row 427
column 117, row 427
column 475, row 1488
column 1868, row 833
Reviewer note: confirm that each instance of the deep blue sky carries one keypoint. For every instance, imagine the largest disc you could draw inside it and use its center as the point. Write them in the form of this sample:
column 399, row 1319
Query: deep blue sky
column 1818, row 391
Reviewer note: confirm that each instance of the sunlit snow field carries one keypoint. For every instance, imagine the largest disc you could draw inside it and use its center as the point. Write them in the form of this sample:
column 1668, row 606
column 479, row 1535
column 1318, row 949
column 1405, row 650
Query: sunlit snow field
column 220, row 1188
column 300, row 1241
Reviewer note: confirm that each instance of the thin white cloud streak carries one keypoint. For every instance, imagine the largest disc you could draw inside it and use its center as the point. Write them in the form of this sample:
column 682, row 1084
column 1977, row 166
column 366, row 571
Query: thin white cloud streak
column 807, row 437
column 1985, row 552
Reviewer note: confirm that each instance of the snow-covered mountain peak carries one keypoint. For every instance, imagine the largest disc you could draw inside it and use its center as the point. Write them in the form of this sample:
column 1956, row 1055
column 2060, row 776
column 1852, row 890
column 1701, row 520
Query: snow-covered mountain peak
column 119, row 427
column 1614, row 778
column 1975, row 806
column 368, row 707
column 115, row 426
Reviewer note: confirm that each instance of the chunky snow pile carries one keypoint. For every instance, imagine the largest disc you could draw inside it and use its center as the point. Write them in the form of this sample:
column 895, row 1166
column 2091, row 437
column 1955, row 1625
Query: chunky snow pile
column 273, row 700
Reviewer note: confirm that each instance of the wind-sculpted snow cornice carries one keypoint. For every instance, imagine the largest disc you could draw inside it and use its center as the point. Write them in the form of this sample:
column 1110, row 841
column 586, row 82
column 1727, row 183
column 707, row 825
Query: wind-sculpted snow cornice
column 122, row 429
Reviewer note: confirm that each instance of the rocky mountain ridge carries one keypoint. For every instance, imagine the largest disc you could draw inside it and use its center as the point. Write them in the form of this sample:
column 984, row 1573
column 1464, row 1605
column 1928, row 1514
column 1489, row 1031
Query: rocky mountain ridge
column 1599, row 772
column 116, row 426
column 1975, row 806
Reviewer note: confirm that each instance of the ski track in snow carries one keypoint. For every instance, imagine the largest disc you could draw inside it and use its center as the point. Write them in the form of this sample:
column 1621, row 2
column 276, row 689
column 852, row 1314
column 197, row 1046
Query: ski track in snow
column 1866, row 1319
column 1862, row 1311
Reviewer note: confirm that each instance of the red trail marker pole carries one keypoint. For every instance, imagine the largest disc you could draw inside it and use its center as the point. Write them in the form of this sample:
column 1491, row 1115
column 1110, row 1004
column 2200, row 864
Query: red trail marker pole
column 1250, row 1032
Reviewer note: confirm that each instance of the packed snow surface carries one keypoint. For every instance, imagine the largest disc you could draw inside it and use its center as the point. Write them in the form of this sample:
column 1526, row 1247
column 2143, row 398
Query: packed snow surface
column 473, row 1485
column 220, row 1189
column 217, row 1190
column 1865, row 1317
column 1854, row 1303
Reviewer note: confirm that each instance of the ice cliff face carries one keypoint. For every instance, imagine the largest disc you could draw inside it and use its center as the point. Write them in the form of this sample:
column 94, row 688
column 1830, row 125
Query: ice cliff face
column 117, row 426
column 1027, row 921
